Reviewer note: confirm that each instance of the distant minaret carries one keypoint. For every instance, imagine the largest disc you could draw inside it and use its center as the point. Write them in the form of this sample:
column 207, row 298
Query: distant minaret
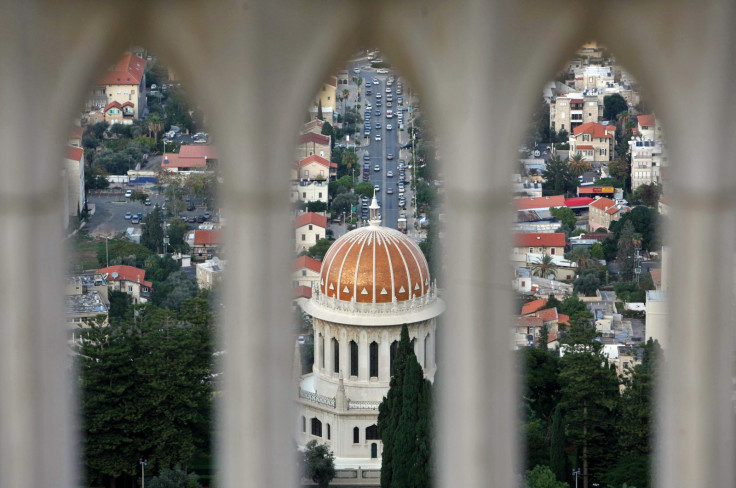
column 375, row 211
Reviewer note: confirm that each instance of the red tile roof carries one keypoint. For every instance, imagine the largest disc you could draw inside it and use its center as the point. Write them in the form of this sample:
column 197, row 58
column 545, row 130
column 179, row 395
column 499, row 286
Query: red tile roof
column 112, row 104
column 202, row 237
column 603, row 203
column 600, row 236
column 125, row 273
column 312, row 124
column 198, row 151
column 128, row 71
column 190, row 157
column 552, row 315
column 539, row 202
column 535, row 239
column 332, row 81
column 314, row 159
column 645, row 120
column 311, row 218
column 529, row 322
column 533, row 306
column 578, row 201
column 76, row 132
column 306, row 262
column 302, row 292
column 585, row 146
column 613, row 210
column 74, row 153
column 314, row 137
column 594, row 129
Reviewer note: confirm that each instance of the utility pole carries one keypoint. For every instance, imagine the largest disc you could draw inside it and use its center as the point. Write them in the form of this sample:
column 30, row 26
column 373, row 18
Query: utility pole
column 143, row 463
column 107, row 254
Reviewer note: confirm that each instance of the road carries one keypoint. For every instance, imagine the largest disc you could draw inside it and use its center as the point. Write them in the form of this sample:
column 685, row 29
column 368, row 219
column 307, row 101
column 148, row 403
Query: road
column 391, row 141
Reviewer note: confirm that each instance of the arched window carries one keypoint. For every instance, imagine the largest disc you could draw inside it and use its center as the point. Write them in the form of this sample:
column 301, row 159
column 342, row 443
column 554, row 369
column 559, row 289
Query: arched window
column 356, row 435
column 316, row 427
column 336, row 353
column 374, row 359
column 374, row 450
column 392, row 355
column 371, row 433
column 353, row 358
column 329, row 432
column 304, row 423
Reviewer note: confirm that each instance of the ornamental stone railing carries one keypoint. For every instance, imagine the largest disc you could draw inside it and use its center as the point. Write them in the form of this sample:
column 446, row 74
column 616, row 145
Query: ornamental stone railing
column 363, row 405
column 352, row 306
column 316, row 398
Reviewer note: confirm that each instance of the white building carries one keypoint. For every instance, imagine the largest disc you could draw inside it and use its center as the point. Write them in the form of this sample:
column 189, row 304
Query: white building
column 373, row 280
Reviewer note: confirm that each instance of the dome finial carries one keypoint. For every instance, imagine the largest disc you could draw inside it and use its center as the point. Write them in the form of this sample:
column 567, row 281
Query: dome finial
column 375, row 214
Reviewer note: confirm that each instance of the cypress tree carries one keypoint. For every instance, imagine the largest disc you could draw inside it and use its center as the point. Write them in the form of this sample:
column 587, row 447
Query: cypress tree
column 319, row 110
column 390, row 408
column 557, row 461
column 405, row 436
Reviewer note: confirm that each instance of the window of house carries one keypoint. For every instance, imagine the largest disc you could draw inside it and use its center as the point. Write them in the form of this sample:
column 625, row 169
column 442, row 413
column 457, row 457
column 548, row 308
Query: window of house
column 304, row 237
column 356, row 435
column 374, row 359
column 353, row 358
column 523, row 283
column 552, row 251
column 130, row 288
column 371, row 433
column 320, row 195
column 310, row 226
column 562, row 116
column 541, row 249
column 316, row 427
column 304, row 194
column 531, row 249
column 329, row 432
column 304, row 272
column 304, row 424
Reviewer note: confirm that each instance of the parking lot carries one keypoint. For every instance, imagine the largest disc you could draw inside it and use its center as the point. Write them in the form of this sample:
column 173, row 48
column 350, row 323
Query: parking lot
column 110, row 209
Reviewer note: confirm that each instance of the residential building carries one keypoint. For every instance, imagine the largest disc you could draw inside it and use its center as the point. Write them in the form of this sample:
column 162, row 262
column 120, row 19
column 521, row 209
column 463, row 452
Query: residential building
column 121, row 91
column 593, row 78
column 602, row 212
column 191, row 159
column 593, row 141
column 316, row 168
column 75, row 136
column 657, row 318
column 648, row 154
column 207, row 243
column 80, row 284
column 570, row 111
column 305, row 271
column 565, row 269
column 82, row 308
column 209, row 272
column 74, row 166
column 327, row 96
column 309, row 227
column 130, row 280
column 312, row 143
column 526, row 186
column 309, row 191
column 552, row 244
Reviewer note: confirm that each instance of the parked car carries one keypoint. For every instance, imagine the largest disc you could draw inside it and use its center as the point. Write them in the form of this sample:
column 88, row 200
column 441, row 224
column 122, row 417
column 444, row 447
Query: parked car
column 388, row 127
column 207, row 216
column 190, row 208
column 128, row 215
column 135, row 220
column 128, row 193
column 148, row 202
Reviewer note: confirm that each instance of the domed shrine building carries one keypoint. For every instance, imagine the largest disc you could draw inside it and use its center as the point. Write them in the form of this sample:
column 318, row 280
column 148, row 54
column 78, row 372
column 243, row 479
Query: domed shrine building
column 372, row 281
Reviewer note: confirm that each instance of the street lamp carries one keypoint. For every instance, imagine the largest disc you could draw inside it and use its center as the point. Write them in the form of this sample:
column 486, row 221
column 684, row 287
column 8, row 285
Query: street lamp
column 575, row 473
column 143, row 463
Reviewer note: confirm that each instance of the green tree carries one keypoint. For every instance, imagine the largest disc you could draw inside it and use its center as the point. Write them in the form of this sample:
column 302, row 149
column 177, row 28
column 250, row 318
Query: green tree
column 647, row 195
column 596, row 251
column 645, row 223
column 588, row 397
column 613, row 105
column 316, row 206
column 319, row 109
column 172, row 292
column 177, row 231
column 344, row 202
column 146, row 390
column 318, row 463
column 626, row 254
column 542, row 477
column 557, row 455
column 587, row 283
column 578, row 165
column 558, row 178
column 543, row 267
column 119, row 251
column 174, row 478
column 565, row 215
column 153, row 231
column 120, row 303
column 364, row 189
column 319, row 250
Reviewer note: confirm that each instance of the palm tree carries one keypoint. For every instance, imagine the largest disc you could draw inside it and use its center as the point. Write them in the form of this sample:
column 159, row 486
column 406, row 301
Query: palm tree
column 345, row 95
column 578, row 166
column 154, row 124
column 543, row 266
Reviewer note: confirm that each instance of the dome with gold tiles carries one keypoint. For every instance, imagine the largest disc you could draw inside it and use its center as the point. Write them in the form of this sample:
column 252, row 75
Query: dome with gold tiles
column 374, row 264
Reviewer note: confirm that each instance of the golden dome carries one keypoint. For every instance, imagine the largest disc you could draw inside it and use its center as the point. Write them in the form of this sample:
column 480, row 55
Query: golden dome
column 374, row 265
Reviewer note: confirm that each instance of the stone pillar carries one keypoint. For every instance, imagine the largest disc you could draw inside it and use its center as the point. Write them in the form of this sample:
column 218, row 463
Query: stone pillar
column 318, row 335
column 384, row 358
column 329, row 354
column 363, row 357
column 420, row 347
column 344, row 354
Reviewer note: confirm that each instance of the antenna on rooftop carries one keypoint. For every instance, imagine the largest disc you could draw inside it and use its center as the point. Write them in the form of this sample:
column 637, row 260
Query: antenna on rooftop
column 114, row 275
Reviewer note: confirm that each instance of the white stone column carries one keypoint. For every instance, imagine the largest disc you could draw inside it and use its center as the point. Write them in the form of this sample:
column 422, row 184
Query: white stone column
column 420, row 347
column 344, row 354
column 384, row 353
column 363, row 357
column 318, row 336
column 329, row 354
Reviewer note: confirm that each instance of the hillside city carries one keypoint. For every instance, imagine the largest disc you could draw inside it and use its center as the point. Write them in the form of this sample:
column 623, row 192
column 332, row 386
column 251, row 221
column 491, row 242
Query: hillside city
column 147, row 256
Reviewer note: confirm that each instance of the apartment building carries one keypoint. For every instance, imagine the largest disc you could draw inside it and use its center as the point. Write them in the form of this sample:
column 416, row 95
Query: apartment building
column 603, row 211
column 593, row 141
column 128, row 279
column 74, row 174
column 569, row 111
column 308, row 229
column 648, row 154
column 120, row 94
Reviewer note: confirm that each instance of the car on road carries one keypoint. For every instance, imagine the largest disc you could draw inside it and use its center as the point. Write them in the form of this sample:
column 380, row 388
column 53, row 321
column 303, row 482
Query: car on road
column 367, row 84
column 356, row 70
column 148, row 201
column 382, row 71
column 378, row 137
column 128, row 193
column 377, row 188
column 390, row 190
column 388, row 89
column 128, row 215
column 301, row 339
column 378, row 125
column 375, row 81
column 389, row 156
column 388, row 127
column 135, row 220
column 377, row 113
column 389, row 173
column 207, row 215
column 378, row 103
column 379, row 96
column 368, row 93
column 376, row 168
column 366, row 157
column 192, row 220
column 200, row 219
column 367, row 132
column 190, row 208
